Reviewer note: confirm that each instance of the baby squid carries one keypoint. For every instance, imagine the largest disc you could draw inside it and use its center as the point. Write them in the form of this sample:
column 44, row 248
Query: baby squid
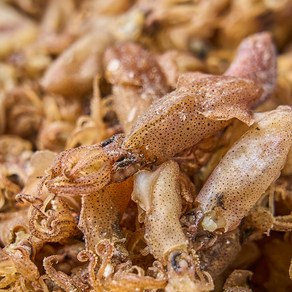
column 137, row 81
column 246, row 171
column 158, row 195
column 101, row 213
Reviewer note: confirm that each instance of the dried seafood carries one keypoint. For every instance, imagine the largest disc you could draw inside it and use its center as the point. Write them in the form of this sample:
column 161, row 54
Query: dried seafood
column 140, row 150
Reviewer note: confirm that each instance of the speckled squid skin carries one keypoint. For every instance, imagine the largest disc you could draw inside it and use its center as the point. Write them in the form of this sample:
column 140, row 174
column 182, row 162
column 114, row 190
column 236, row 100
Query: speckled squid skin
column 256, row 60
column 85, row 169
column 246, row 171
column 137, row 80
column 158, row 194
column 101, row 212
column 199, row 107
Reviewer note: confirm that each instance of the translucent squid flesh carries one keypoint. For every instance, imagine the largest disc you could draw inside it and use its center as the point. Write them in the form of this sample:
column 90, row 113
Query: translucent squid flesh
column 256, row 60
column 246, row 171
column 101, row 213
column 158, row 194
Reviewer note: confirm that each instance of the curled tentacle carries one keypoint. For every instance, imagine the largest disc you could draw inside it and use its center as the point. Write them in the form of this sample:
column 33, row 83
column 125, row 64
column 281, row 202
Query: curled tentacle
column 282, row 223
column 132, row 281
column 259, row 221
column 105, row 250
column 61, row 279
column 87, row 255
column 24, row 111
column 184, row 274
column 263, row 217
column 17, row 261
column 88, row 169
column 125, row 278
column 10, row 221
column 8, row 272
column 100, row 259
column 52, row 220
column 8, row 191
column 200, row 157
column 129, row 278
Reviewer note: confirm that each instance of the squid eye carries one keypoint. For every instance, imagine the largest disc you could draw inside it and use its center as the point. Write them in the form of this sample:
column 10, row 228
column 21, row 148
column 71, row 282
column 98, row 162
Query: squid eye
column 175, row 261
column 178, row 263
column 107, row 142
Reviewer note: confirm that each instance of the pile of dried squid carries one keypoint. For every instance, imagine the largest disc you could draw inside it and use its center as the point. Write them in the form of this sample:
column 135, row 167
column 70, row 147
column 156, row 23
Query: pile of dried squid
column 145, row 145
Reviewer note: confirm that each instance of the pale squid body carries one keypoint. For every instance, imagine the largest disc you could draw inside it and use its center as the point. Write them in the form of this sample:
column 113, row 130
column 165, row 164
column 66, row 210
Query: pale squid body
column 256, row 60
column 158, row 194
column 246, row 171
column 16, row 30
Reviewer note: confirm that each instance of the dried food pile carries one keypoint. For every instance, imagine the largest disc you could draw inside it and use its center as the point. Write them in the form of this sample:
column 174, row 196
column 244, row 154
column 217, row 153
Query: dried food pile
column 145, row 145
